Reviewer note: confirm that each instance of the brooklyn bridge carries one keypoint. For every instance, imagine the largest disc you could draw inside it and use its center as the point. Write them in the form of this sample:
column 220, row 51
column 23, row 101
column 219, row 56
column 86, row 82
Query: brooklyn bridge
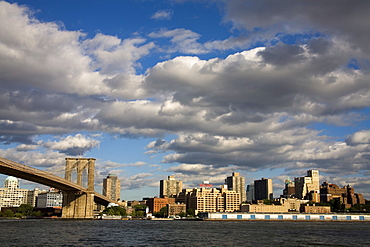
column 78, row 201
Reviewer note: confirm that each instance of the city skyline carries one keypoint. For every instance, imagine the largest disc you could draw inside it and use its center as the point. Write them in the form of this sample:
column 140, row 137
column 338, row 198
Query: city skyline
column 264, row 88
column 306, row 187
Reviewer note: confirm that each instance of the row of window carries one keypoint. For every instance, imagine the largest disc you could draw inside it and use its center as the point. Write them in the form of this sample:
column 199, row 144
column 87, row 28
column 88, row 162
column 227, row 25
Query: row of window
column 294, row 217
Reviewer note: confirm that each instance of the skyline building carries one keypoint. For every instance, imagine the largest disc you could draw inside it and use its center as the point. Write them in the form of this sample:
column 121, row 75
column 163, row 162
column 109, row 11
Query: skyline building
column 213, row 200
column 250, row 192
column 50, row 199
column 237, row 184
column 155, row 204
column 112, row 187
column 263, row 189
column 11, row 195
column 170, row 187
column 305, row 186
column 289, row 189
column 345, row 195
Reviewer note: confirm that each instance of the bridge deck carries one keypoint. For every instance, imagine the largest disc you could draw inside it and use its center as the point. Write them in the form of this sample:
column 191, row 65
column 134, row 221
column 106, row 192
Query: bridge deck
column 15, row 169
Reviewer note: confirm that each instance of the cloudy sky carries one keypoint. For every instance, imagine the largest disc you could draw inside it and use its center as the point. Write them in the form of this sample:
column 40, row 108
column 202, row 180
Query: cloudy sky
column 194, row 89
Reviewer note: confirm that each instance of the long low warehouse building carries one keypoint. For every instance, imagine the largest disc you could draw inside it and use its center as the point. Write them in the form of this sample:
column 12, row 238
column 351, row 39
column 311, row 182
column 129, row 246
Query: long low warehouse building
column 287, row 216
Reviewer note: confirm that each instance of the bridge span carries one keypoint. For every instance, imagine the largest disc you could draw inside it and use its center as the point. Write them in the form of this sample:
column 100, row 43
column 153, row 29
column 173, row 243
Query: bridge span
column 15, row 169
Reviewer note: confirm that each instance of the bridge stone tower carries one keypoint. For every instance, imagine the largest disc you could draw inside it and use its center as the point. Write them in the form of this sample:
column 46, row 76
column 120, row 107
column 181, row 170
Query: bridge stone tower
column 78, row 204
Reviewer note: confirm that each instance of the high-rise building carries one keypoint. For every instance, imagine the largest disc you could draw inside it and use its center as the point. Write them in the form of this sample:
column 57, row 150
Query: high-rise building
column 170, row 187
column 263, row 189
column 306, row 185
column 250, row 192
column 11, row 195
column 289, row 189
column 237, row 183
column 32, row 196
column 112, row 187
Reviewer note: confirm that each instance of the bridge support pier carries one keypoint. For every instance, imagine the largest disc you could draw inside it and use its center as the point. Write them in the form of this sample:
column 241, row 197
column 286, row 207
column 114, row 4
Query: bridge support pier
column 79, row 205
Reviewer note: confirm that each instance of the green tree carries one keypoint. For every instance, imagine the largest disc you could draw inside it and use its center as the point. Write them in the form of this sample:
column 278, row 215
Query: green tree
column 190, row 212
column 183, row 214
column 8, row 213
column 25, row 210
column 336, row 205
column 139, row 207
column 267, row 202
column 115, row 210
column 36, row 213
column 139, row 213
column 18, row 215
column 162, row 213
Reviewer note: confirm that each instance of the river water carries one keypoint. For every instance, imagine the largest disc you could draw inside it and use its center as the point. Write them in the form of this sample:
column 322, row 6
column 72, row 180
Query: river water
column 52, row 232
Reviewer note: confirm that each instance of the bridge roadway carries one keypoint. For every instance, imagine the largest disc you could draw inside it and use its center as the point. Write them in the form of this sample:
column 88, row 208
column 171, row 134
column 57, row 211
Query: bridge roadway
column 15, row 169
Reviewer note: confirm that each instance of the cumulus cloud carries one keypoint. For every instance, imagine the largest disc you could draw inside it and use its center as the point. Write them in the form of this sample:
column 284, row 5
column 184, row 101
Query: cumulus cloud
column 358, row 138
column 182, row 40
column 253, row 109
column 73, row 145
column 162, row 15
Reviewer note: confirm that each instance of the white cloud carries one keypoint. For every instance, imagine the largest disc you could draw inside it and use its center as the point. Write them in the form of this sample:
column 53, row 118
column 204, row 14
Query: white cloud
column 182, row 40
column 251, row 110
column 358, row 138
column 73, row 145
column 162, row 15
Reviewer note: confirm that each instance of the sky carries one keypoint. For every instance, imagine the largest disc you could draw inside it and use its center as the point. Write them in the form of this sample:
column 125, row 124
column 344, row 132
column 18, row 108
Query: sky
column 194, row 89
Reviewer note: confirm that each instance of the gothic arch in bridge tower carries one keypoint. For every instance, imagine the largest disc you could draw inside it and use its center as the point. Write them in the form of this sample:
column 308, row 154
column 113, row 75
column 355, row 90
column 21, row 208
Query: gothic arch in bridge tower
column 79, row 204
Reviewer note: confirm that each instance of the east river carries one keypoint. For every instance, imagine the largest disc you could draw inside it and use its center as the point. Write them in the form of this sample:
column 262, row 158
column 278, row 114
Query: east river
column 181, row 233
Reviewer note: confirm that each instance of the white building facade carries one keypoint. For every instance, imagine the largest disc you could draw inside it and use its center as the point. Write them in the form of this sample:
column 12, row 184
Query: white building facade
column 11, row 195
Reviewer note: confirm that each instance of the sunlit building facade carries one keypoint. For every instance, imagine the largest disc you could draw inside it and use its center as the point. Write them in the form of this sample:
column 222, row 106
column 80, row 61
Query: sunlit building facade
column 170, row 187
column 237, row 183
column 50, row 199
column 11, row 195
column 306, row 187
column 112, row 187
column 213, row 200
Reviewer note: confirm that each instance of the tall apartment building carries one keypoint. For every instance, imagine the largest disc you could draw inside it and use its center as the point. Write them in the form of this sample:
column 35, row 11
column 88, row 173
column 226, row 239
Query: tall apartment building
column 263, row 189
column 212, row 200
column 170, row 187
column 237, row 183
column 250, row 192
column 305, row 186
column 289, row 189
column 11, row 195
column 112, row 187
column 32, row 196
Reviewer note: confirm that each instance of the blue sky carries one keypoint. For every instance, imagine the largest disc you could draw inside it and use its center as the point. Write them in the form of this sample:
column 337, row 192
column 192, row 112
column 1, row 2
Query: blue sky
column 195, row 89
